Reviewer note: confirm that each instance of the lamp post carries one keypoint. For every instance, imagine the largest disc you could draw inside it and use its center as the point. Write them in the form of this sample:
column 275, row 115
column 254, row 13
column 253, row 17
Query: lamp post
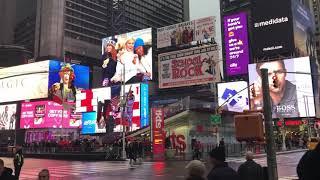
column 123, row 103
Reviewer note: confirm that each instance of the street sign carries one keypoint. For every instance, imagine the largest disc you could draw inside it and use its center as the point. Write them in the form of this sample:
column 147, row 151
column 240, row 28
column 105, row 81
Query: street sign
column 215, row 119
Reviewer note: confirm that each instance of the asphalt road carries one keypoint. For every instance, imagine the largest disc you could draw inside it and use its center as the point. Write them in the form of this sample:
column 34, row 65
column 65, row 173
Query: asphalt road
column 148, row 170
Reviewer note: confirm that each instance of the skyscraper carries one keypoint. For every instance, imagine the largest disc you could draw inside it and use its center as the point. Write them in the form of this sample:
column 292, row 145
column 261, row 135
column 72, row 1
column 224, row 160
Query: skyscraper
column 316, row 11
column 73, row 29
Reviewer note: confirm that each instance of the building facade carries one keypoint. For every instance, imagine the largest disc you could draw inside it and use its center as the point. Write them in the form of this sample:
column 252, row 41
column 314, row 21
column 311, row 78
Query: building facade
column 316, row 11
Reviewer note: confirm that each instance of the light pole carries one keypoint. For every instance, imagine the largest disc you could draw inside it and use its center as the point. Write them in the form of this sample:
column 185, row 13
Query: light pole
column 123, row 103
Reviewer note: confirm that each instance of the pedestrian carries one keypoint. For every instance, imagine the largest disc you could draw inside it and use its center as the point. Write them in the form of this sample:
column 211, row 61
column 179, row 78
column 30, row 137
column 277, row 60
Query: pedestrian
column 220, row 169
column 250, row 170
column 5, row 173
column 197, row 147
column 44, row 174
column 196, row 170
column 18, row 161
column 308, row 166
column 131, row 153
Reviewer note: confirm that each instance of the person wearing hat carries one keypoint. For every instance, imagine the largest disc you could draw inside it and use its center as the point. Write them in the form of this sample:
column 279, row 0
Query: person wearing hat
column 109, row 65
column 250, row 170
column 143, row 63
column 196, row 170
column 220, row 169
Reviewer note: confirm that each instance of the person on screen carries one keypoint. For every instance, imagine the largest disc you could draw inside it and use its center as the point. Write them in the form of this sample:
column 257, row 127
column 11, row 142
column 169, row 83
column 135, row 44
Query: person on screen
column 65, row 92
column 109, row 65
column 127, row 59
column 143, row 61
column 283, row 93
column 4, row 118
column 12, row 120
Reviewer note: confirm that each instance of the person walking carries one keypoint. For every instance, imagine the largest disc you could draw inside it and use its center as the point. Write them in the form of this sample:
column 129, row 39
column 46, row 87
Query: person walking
column 44, row 174
column 309, row 164
column 250, row 170
column 196, row 170
column 220, row 169
column 18, row 161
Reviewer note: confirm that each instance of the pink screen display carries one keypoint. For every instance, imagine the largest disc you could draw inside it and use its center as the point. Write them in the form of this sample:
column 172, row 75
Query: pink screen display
column 47, row 114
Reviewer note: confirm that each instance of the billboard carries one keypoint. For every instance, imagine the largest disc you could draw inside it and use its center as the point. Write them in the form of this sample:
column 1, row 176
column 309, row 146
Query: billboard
column 8, row 116
column 236, row 44
column 291, row 93
column 186, row 32
column 231, row 99
column 42, row 79
column 65, row 80
column 47, row 114
column 158, row 133
column 89, row 125
column 130, row 52
column 303, row 29
column 272, row 27
column 189, row 67
column 106, row 102
column 28, row 81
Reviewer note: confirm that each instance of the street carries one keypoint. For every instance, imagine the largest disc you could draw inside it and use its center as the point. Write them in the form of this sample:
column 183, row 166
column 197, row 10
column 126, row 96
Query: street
column 148, row 170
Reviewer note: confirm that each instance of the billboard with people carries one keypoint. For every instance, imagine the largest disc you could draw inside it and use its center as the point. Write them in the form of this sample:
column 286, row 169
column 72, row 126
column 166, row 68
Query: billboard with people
column 8, row 116
column 127, row 57
column 290, row 86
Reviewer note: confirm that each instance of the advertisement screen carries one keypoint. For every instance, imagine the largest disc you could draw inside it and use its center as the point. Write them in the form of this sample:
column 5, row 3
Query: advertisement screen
column 291, row 92
column 8, row 116
column 47, row 114
column 89, row 125
column 236, row 44
column 28, row 81
column 231, row 99
column 158, row 130
column 106, row 102
column 189, row 67
column 303, row 28
column 186, row 32
column 130, row 53
column 64, row 80
column 272, row 27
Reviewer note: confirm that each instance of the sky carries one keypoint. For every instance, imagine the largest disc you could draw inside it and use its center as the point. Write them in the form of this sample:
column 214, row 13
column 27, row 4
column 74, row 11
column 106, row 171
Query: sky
column 197, row 10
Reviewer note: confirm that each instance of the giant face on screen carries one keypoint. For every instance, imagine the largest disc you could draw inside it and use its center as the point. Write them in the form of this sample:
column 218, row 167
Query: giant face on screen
column 233, row 96
column 129, row 52
column 8, row 116
column 291, row 92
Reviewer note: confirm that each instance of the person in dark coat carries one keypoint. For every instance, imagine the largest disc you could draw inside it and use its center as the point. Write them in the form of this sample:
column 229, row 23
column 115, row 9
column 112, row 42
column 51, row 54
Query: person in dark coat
column 196, row 170
column 250, row 170
column 5, row 173
column 220, row 170
column 109, row 59
column 18, row 162
column 308, row 167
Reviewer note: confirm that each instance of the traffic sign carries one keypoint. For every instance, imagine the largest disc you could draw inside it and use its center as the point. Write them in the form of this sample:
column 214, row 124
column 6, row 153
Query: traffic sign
column 215, row 119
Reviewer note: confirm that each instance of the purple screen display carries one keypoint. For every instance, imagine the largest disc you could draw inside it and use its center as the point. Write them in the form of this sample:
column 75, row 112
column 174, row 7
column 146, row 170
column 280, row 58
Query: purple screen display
column 236, row 44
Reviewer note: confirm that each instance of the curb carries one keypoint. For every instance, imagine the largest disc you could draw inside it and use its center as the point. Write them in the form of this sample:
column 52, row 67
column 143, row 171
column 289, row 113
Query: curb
column 280, row 153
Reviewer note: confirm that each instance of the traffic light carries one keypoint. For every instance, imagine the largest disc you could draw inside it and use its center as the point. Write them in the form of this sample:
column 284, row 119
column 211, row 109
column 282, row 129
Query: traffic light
column 275, row 81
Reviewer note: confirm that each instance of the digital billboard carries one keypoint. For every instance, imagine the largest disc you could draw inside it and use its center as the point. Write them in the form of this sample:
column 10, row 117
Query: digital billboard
column 189, row 67
column 47, row 114
column 28, row 81
column 8, row 116
column 272, row 27
column 231, row 99
column 106, row 102
column 130, row 52
column 236, row 44
column 303, row 29
column 53, row 79
column 186, row 32
column 290, row 86
column 89, row 125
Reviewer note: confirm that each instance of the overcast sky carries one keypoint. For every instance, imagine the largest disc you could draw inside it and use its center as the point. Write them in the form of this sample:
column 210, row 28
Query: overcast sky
column 201, row 8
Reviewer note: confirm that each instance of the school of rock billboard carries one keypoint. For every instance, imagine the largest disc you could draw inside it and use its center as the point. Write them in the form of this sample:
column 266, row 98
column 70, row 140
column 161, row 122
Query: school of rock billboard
column 236, row 44
column 231, row 99
column 188, row 67
column 291, row 93
column 44, row 79
column 186, row 32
